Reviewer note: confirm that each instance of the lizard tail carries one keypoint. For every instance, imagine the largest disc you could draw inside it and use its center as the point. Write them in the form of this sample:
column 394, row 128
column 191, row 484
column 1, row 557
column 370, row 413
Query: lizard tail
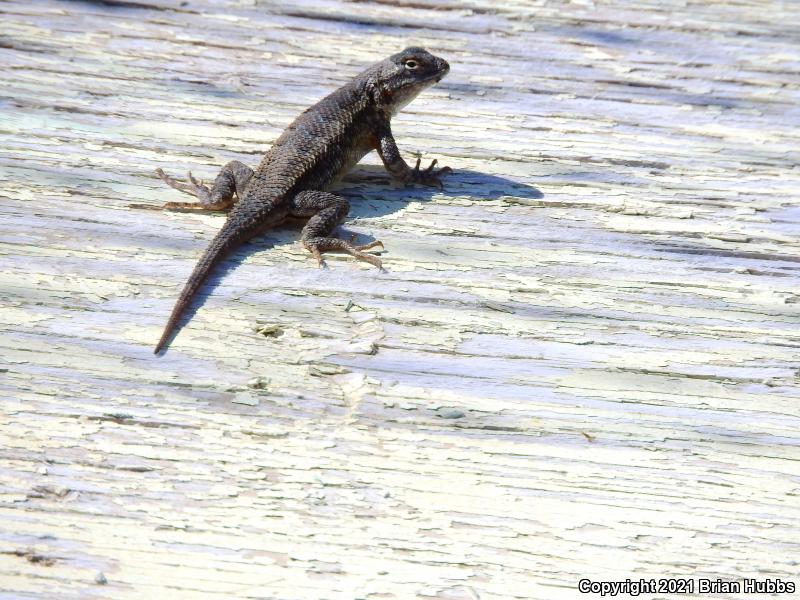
column 232, row 234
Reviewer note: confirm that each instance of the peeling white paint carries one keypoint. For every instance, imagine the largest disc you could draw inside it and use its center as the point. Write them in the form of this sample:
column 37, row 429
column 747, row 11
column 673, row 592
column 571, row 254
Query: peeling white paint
column 582, row 360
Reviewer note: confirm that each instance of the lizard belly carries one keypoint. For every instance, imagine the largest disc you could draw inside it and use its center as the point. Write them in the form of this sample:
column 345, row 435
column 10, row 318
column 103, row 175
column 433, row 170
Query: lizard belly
column 353, row 158
column 350, row 158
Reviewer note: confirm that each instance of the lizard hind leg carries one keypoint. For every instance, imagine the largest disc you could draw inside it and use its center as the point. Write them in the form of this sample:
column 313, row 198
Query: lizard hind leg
column 228, row 187
column 326, row 211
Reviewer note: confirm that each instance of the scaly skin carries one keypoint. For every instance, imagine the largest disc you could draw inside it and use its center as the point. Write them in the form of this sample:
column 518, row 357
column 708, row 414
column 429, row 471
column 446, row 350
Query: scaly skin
column 314, row 152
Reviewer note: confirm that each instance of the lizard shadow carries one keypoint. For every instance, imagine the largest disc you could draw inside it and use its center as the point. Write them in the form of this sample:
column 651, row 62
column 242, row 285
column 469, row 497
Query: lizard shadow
column 371, row 195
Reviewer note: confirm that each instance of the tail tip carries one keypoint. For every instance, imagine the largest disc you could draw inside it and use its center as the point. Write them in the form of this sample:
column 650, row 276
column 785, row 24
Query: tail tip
column 163, row 341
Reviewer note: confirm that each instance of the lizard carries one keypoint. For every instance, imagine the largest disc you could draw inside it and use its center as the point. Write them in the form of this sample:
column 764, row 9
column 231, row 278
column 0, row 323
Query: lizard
column 316, row 150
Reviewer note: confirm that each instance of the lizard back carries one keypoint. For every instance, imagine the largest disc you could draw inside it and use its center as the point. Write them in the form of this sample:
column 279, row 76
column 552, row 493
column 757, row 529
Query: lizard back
column 318, row 147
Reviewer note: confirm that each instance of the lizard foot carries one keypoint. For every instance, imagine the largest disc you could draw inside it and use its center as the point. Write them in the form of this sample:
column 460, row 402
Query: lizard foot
column 428, row 177
column 194, row 188
column 319, row 245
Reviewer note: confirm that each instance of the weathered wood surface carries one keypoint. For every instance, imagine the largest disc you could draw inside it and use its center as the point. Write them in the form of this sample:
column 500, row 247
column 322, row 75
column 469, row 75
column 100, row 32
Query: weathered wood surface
column 581, row 361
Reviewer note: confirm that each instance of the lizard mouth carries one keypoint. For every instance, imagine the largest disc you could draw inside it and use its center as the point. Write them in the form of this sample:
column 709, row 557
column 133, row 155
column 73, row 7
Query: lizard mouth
column 424, row 82
column 437, row 77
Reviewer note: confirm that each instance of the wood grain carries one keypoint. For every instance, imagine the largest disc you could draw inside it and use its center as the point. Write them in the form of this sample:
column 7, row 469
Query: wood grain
column 582, row 360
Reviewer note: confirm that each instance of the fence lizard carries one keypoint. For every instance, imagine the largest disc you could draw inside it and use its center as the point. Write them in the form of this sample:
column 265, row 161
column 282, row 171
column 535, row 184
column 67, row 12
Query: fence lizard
column 314, row 152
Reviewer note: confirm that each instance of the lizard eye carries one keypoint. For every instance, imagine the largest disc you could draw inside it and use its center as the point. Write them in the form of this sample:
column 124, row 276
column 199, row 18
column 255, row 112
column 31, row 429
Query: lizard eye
column 411, row 64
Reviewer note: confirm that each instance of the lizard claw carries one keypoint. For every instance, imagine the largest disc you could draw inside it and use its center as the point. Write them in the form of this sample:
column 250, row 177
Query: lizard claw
column 429, row 177
column 195, row 188
column 369, row 246
column 195, row 182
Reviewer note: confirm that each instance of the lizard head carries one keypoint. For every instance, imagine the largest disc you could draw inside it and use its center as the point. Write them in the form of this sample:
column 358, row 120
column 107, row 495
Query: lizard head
column 397, row 80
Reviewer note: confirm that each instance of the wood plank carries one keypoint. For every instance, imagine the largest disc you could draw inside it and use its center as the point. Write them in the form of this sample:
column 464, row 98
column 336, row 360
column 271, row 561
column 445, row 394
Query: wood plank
column 582, row 360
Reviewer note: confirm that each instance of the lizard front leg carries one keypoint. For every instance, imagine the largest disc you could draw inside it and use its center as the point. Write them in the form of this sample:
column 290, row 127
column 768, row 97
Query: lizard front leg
column 399, row 169
column 228, row 186
column 326, row 211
